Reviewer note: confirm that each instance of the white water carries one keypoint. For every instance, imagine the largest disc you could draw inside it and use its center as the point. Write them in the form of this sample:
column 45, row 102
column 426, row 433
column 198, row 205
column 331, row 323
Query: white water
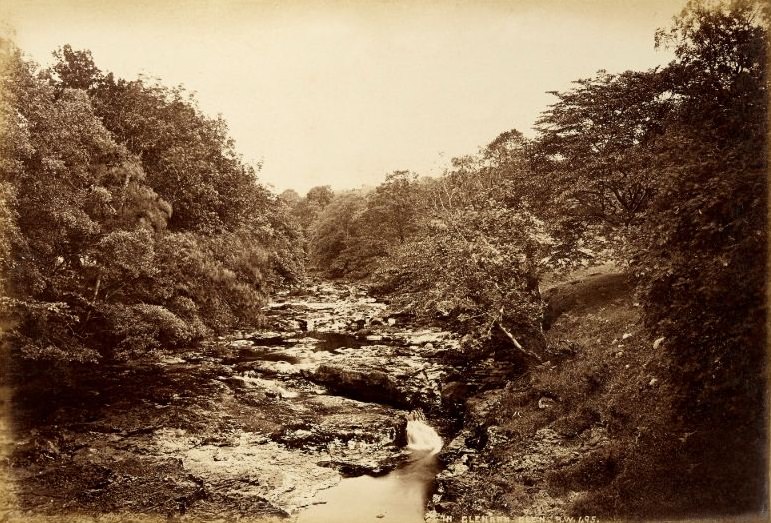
column 398, row 497
column 421, row 437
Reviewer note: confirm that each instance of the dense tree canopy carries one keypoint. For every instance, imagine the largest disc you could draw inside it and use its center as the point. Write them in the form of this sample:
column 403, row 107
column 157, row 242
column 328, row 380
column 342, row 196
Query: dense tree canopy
column 135, row 225
column 594, row 145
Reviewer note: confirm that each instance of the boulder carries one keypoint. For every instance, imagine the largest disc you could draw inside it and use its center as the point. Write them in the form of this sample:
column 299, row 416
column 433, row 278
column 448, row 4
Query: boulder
column 361, row 384
column 454, row 394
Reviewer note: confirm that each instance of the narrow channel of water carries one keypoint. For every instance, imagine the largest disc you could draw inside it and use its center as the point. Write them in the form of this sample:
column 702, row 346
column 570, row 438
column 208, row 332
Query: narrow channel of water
column 398, row 497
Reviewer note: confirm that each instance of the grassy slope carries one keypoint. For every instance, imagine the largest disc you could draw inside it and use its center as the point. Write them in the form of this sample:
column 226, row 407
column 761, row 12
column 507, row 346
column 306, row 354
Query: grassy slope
column 567, row 437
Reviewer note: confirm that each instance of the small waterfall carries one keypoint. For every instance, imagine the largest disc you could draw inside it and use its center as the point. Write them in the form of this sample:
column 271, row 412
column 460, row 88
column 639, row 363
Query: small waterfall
column 421, row 437
column 398, row 497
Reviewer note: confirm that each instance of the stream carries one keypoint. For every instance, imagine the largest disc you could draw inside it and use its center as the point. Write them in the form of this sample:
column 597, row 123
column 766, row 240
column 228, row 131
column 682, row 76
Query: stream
column 398, row 497
column 331, row 411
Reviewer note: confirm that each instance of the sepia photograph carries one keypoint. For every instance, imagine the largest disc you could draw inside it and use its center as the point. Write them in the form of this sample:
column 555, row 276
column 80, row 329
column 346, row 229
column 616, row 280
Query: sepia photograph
column 388, row 261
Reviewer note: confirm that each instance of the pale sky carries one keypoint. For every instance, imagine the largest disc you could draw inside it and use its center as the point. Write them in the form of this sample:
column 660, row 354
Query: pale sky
column 343, row 92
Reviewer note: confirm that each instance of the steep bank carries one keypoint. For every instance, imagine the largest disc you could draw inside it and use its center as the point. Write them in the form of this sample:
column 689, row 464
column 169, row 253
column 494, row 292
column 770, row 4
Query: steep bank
column 604, row 429
column 544, row 443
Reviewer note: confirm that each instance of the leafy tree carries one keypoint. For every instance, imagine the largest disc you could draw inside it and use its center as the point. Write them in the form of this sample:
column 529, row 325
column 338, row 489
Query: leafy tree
column 307, row 210
column 701, row 255
column 339, row 237
column 593, row 144
column 97, row 265
column 698, row 250
column 75, row 69
column 189, row 159
column 394, row 205
column 321, row 195
column 476, row 254
column 353, row 234
column 71, row 183
column 290, row 197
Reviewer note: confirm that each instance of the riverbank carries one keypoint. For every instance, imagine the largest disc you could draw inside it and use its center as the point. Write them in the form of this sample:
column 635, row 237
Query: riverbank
column 266, row 424
column 550, row 442
column 252, row 425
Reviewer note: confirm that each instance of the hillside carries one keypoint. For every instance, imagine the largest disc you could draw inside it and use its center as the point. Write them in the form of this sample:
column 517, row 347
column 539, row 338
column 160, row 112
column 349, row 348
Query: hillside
column 584, row 436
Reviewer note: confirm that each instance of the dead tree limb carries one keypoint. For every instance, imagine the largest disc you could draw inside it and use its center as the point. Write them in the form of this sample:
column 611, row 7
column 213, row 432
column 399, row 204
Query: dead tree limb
column 529, row 354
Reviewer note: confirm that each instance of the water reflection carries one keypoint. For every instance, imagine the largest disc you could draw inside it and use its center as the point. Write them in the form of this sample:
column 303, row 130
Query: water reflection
column 399, row 497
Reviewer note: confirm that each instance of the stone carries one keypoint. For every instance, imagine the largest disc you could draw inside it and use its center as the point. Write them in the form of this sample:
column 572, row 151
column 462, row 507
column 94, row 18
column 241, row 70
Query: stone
column 455, row 393
column 362, row 384
column 249, row 424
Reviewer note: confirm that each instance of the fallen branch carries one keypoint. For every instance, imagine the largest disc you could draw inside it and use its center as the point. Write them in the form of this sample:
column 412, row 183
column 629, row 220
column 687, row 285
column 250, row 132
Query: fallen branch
column 517, row 345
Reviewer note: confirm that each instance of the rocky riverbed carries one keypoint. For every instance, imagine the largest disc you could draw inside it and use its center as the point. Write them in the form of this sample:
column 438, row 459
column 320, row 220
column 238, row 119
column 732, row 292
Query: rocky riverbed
column 252, row 424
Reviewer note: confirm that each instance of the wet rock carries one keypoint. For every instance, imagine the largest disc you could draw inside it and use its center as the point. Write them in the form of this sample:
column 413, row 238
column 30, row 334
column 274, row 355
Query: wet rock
column 457, row 447
column 306, row 325
column 350, row 469
column 264, row 338
column 357, row 325
column 237, row 382
column 235, row 428
column 362, row 384
column 251, row 468
column 454, row 394
column 372, row 373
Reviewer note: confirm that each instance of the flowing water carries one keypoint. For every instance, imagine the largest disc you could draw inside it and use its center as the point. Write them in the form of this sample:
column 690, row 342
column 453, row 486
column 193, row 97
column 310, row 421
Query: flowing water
column 398, row 497
column 275, row 421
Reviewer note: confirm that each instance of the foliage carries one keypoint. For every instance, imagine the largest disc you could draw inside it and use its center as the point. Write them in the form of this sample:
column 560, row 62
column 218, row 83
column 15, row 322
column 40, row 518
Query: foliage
column 133, row 225
column 700, row 253
column 74, row 69
column 394, row 205
column 696, row 244
column 356, row 231
column 474, row 268
column 477, row 254
column 306, row 211
column 593, row 145
column 674, row 160
column 337, row 235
